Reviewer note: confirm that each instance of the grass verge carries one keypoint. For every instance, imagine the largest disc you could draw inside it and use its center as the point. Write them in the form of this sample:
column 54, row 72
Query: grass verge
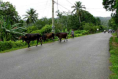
column 114, row 57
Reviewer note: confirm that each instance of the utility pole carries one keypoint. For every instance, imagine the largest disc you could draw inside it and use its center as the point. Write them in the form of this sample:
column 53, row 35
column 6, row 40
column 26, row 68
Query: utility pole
column 53, row 27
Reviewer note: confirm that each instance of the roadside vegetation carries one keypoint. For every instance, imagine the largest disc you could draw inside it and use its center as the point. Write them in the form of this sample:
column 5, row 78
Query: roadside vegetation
column 12, row 26
column 114, row 56
column 112, row 5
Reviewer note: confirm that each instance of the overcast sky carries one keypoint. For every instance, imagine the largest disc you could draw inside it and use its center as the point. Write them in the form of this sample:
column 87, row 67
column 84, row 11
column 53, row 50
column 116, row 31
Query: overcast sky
column 44, row 7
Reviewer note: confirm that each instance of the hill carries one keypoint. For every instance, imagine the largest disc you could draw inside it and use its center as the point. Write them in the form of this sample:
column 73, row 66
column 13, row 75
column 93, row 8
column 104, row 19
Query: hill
column 104, row 20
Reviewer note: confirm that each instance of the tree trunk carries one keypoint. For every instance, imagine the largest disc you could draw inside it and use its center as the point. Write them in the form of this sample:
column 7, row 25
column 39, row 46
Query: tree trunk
column 79, row 20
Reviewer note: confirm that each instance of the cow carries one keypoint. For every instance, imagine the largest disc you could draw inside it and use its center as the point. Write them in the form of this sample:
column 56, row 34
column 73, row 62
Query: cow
column 31, row 37
column 48, row 36
column 62, row 35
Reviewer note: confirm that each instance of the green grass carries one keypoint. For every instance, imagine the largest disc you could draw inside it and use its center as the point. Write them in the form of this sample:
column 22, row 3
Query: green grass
column 114, row 57
column 26, row 46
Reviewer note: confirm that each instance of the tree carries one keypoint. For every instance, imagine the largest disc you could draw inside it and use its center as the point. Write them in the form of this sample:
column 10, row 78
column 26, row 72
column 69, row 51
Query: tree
column 112, row 24
column 112, row 5
column 78, row 9
column 42, row 22
column 8, row 11
column 31, row 16
column 62, row 20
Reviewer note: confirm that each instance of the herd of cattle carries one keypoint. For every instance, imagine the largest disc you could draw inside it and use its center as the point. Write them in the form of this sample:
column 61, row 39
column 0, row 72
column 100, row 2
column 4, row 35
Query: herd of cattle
column 31, row 37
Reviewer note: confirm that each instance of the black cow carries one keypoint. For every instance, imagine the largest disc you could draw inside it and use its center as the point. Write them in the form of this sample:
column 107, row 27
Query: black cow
column 31, row 37
column 48, row 36
column 62, row 35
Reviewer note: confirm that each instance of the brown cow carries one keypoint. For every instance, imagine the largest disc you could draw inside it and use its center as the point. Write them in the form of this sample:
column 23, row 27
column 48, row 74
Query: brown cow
column 62, row 35
column 48, row 36
column 31, row 37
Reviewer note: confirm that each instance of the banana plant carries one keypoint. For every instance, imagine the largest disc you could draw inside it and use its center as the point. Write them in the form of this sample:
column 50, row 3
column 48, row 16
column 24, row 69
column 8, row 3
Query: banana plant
column 10, row 32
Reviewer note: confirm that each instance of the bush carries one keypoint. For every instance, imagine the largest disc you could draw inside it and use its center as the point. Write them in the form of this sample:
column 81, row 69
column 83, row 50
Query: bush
column 76, row 35
column 116, row 39
column 90, row 27
column 45, row 29
column 31, row 28
column 10, row 44
column 37, row 31
column 83, row 32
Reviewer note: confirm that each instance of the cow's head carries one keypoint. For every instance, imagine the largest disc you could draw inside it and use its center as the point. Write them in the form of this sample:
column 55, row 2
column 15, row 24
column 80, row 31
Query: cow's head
column 23, row 38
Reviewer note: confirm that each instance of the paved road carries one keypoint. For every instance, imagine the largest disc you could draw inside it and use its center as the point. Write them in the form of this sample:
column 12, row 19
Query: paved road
column 85, row 57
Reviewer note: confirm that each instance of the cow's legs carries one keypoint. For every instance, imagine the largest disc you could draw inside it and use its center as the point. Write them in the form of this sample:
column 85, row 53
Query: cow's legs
column 41, row 41
column 66, row 38
column 28, row 43
column 60, row 39
column 37, row 41
column 53, row 38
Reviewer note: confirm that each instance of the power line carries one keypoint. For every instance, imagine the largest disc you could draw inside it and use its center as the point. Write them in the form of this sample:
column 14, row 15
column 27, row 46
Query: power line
column 69, row 2
column 45, row 6
column 94, row 8
column 57, row 5
column 61, row 5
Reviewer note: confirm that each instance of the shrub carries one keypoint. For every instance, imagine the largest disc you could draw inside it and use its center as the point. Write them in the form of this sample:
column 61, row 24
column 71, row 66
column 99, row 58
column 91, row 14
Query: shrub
column 116, row 39
column 5, row 45
column 90, row 27
column 45, row 29
column 37, row 31
column 10, row 44
column 83, row 32
column 31, row 28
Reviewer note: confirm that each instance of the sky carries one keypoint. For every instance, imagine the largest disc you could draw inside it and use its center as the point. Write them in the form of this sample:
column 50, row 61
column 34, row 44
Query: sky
column 44, row 7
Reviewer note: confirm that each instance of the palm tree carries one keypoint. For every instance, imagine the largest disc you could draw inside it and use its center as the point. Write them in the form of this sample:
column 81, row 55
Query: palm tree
column 31, row 16
column 78, row 9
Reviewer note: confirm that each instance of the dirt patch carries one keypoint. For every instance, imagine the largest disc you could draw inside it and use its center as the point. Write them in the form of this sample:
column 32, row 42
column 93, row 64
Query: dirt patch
column 115, row 44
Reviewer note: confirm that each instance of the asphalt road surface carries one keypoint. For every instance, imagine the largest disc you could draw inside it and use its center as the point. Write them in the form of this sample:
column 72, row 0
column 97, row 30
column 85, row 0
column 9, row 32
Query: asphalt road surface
column 85, row 57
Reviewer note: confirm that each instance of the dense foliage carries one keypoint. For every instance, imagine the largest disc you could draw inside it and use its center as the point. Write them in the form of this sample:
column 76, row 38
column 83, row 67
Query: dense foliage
column 8, row 31
column 8, row 11
column 112, row 5
column 45, row 29
column 42, row 22
column 10, row 44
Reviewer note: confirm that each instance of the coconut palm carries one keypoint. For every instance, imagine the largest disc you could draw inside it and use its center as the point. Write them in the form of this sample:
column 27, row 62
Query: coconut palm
column 31, row 16
column 78, row 9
